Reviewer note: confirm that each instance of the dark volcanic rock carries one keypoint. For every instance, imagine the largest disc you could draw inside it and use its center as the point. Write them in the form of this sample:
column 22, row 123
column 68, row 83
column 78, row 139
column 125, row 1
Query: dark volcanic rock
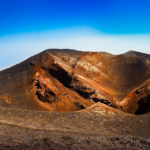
column 103, row 95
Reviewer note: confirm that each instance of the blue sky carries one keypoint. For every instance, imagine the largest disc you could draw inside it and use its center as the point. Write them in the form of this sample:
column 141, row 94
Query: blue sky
column 28, row 27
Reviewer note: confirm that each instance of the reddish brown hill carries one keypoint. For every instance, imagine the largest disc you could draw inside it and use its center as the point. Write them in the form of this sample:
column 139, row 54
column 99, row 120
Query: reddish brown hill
column 69, row 80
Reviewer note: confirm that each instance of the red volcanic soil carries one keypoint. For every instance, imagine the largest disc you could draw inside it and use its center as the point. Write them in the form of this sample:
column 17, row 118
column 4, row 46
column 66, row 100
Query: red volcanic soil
column 72, row 92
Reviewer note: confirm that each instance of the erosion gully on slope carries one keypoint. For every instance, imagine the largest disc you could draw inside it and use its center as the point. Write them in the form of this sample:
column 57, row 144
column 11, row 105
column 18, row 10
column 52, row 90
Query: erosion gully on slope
column 45, row 94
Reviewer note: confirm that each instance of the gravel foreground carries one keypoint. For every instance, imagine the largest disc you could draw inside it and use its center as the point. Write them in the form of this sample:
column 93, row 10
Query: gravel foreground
column 17, row 138
column 98, row 128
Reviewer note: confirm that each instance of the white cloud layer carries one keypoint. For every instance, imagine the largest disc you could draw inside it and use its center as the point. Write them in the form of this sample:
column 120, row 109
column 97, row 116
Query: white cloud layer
column 16, row 48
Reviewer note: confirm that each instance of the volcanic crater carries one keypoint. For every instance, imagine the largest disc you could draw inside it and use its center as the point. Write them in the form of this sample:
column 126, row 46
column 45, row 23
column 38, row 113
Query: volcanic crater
column 94, row 93
column 69, row 80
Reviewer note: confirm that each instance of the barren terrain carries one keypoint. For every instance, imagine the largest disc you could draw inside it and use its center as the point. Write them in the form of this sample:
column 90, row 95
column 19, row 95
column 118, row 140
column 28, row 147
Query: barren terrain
column 67, row 99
